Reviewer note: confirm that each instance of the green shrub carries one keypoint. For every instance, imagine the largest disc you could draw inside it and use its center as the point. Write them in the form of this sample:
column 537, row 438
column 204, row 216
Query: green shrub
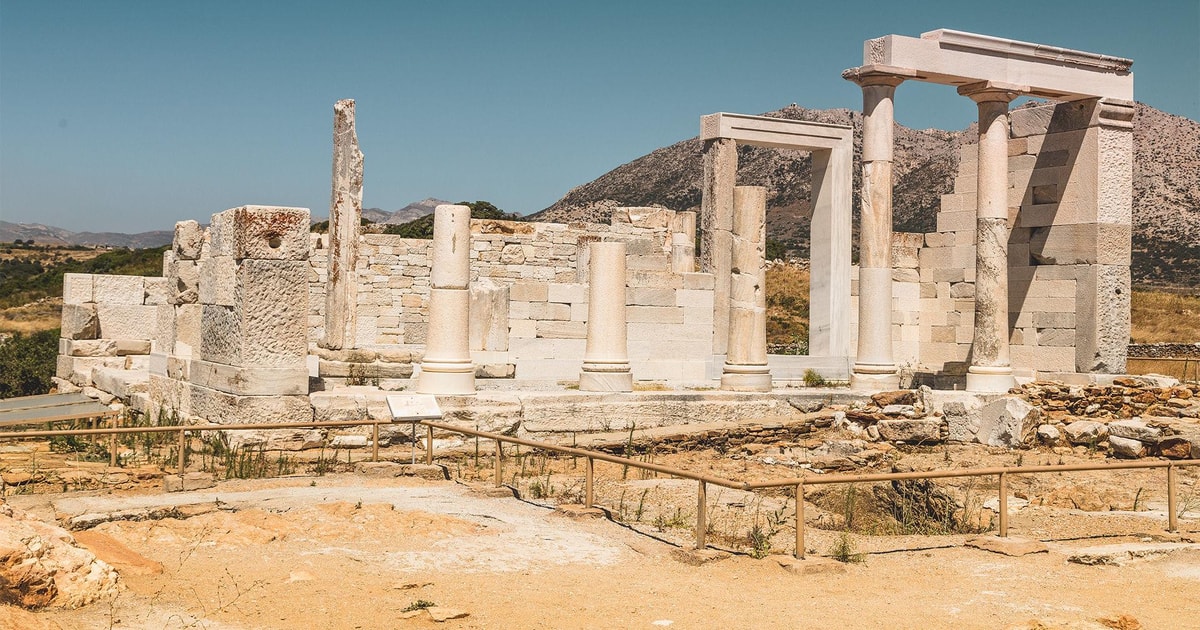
column 27, row 362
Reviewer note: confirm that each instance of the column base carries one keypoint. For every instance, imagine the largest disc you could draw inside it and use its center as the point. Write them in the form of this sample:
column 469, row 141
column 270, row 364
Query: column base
column 605, row 380
column 874, row 378
column 446, row 379
column 990, row 379
column 746, row 378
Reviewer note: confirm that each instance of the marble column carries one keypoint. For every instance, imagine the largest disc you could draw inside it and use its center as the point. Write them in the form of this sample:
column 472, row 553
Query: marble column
column 606, row 357
column 345, row 214
column 446, row 367
column 874, row 366
column 716, row 222
column 990, row 369
column 746, row 349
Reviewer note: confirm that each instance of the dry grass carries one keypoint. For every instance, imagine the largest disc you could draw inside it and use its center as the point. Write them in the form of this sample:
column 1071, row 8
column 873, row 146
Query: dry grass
column 1165, row 318
column 787, row 305
column 44, row 314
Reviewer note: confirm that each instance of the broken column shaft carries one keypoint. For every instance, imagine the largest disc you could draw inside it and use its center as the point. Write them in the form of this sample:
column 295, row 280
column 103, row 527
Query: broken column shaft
column 447, row 367
column 606, row 358
column 746, row 358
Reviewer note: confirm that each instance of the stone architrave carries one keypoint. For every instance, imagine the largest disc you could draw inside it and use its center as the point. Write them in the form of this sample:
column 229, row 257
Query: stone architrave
column 874, row 365
column 447, row 367
column 746, row 357
column 991, row 368
column 606, row 357
column 345, row 214
column 832, row 148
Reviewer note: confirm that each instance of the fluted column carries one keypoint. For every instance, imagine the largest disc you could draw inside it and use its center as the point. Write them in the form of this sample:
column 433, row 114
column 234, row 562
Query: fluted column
column 874, row 365
column 991, row 369
column 746, row 349
column 606, row 358
column 446, row 367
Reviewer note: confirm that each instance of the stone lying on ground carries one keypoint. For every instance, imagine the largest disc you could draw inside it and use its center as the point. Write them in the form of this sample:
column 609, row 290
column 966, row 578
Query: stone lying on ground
column 911, row 431
column 1008, row 546
column 1124, row 553
column 1134, row 430
column 1126, row 448
column 1180, row 446
column 1086, row 432
column 392, row 469
column 1007, row 422
column 1049, row 434
column 40, row 565
column 898, row 397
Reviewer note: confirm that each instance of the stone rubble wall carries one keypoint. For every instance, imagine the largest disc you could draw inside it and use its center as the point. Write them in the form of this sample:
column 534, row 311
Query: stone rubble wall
column 108, row 324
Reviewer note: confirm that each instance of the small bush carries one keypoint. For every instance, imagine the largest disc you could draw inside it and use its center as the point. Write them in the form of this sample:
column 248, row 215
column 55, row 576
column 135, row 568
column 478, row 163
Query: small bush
column 27, row 362
column 844, row 550
column 813, row 379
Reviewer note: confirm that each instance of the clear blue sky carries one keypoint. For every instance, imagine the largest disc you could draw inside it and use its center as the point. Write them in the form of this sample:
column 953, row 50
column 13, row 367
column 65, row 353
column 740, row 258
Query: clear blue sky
column 128, row 116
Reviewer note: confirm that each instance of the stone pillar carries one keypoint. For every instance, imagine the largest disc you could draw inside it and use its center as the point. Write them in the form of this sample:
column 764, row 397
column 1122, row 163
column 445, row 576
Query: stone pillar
column 683, row 243
column 991, row 369
column 606, row 358
column 254, row 329
column 345, row 214
column 874, row 367
column 746, row 359
column 716, row 224
column 447, row 367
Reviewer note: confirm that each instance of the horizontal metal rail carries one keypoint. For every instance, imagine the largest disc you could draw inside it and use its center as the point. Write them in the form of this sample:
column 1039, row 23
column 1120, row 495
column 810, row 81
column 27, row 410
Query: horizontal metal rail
column 591, row 457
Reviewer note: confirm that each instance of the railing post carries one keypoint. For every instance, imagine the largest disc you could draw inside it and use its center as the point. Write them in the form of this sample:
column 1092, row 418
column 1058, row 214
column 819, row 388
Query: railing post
column 1003, row 505
column 800, row 521
column 182, row 446
column 1172, row 514
column 112, row 445
column 588, row 470
column 499, row 464
column 375, row 442
column 429, row 446
column 701, row 514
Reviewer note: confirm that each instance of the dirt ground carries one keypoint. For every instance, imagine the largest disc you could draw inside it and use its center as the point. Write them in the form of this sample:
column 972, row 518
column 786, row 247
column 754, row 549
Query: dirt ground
column 346, row 551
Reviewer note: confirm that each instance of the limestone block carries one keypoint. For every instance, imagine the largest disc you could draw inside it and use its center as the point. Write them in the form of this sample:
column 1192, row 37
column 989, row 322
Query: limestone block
column 654, row 315
column 561, row 330
column 217, row 406
column 650, row 218
column 567, row 293
column 963, row 419
column 549, row 311
column 87, row 347
column 250, row 381
column 1085, row 432
column 121, row 383
column 119, row 289
column 183, row 279
column 697, row 281
column 1056, row 337
column 187, row 328
column 1102, row 303
column 1007, row 422
column 912, row 431
column 1127, row 448
column 131, row 347
column 650, row 296
column 1134, row 430
column 529, row 292
column 488, row 328
column 157, row 290
column 164, row 338
column 217, row 280
column 1094, row 243
column 261, row 232
column 79, row 322
column 78, row 288
column 1054, row 320
column 189, row 238
column 267, row 326
column 127, row 321
column 956, row 221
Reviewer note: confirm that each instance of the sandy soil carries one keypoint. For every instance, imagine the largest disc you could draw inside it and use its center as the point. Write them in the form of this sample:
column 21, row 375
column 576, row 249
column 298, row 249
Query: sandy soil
column 346, row 552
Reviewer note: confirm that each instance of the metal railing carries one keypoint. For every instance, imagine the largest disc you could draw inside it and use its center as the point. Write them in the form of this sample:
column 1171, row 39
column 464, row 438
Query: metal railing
column 703, row 480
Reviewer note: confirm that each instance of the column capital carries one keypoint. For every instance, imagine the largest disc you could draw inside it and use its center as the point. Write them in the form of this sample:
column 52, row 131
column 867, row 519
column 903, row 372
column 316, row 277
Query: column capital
column 873, row 75
column 992, row 91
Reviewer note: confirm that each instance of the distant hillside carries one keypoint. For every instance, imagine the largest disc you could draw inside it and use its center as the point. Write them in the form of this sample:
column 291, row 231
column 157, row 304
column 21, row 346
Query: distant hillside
column 1166, row 186
column 50, row 235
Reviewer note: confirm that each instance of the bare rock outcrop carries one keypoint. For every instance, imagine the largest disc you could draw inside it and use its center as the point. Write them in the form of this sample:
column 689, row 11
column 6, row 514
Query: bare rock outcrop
column 41, row 565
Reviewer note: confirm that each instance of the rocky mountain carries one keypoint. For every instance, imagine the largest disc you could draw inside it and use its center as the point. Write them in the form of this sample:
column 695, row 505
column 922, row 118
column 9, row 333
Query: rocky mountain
column 1166, row 186
column 414, row 210
column 50, row 235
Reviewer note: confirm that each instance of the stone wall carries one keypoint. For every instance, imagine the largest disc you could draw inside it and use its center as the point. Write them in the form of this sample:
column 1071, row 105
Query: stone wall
column 108, row 322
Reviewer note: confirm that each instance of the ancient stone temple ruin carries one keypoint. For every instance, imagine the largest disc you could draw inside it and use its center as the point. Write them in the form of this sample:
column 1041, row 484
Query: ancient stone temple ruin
column 1027, row 275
